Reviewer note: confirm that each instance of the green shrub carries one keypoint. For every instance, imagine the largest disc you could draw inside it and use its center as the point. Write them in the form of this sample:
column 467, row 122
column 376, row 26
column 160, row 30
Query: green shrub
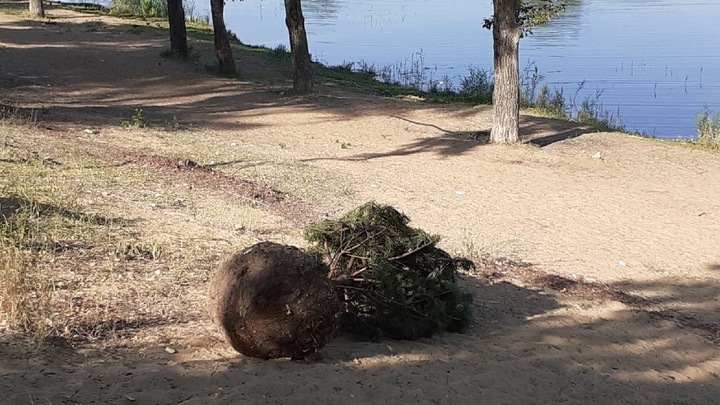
column 393, row 280
column 477, row 86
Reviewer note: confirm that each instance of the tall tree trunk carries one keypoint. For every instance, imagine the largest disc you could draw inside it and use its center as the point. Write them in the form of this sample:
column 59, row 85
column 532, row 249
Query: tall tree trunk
column 302, row 75
column 37, row 9
column 223, row 52
column 506, row 39
column 178, row 31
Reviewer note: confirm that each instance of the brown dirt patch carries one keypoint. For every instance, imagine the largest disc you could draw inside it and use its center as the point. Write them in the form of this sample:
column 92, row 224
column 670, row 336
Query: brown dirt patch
column 259, row 195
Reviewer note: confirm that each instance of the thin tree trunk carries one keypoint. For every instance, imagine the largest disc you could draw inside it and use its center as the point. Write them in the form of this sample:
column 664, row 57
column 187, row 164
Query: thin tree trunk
column 37, row 9
column 302, row 74
column 223, row 52
column 178, row 31
column 506, row 39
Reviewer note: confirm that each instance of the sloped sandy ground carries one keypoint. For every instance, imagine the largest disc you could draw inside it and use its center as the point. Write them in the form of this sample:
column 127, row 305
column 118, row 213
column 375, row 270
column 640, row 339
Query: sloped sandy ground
column 643, row 218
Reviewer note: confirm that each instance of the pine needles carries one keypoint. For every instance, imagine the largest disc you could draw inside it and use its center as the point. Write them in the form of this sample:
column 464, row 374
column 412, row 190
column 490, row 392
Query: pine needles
column 393, row 280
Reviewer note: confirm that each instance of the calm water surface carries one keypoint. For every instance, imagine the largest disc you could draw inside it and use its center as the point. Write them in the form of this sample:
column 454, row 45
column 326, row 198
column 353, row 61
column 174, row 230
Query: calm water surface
column 656, row 61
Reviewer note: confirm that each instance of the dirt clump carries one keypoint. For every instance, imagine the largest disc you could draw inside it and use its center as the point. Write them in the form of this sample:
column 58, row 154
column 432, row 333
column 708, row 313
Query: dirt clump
column 272, row 300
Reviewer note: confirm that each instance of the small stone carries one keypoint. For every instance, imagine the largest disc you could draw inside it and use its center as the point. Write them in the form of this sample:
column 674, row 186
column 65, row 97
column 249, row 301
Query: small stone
column 170, row 350
column 597, row 155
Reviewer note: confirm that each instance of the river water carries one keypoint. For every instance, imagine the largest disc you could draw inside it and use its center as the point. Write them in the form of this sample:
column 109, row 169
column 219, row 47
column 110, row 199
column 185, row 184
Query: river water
column 657, row 62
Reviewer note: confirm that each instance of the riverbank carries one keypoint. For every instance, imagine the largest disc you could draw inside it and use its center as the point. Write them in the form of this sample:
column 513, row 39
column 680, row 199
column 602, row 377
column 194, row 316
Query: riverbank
column 597, row 251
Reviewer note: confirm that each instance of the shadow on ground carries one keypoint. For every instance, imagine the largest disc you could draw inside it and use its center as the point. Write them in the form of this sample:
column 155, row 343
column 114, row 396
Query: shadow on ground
column 525, row 347
column 534, row 131
column 13, row 205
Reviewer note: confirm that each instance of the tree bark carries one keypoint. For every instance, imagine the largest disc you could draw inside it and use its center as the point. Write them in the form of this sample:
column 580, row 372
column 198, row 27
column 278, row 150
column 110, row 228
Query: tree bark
column 178, row 31
column 506, row 39
column 37, row 9
column 302, row 74
column 223, row 52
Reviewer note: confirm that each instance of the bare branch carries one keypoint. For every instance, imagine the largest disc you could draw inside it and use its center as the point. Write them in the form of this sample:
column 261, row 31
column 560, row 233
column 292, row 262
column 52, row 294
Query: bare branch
column 408, row 253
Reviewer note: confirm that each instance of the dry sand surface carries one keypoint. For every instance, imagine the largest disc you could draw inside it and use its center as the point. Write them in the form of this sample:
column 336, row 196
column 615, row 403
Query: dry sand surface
column 601, row 250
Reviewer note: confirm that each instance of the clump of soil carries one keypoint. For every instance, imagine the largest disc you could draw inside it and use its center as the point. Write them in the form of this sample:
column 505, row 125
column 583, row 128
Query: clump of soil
column 272, row 301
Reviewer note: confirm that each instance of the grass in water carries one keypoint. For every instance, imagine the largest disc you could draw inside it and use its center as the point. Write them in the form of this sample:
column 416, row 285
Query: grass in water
column 708, row 129
column 413, row 78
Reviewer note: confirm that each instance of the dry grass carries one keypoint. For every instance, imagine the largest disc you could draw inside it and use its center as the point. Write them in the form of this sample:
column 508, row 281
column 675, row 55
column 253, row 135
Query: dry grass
column 265, row 164
column 75, row 263
column 101, row 237
column 11, row 115
column 24, row 297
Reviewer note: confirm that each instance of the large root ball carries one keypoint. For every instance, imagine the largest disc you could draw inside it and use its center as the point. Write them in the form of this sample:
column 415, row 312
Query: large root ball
column 272, row 301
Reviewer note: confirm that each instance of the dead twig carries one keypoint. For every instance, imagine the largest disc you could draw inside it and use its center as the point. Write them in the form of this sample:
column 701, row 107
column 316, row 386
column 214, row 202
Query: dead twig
column 347, row 251
column 408, row 253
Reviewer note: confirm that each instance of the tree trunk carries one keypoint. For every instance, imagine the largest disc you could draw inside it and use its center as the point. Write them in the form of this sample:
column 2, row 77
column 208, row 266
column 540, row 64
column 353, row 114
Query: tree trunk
column 178, row 31
column 223, row 52
column 37, row 9
column 302, row 75
column 506, row 106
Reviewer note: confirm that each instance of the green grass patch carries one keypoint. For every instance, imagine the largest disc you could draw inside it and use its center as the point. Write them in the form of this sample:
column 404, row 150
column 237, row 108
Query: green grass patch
column 475, row 88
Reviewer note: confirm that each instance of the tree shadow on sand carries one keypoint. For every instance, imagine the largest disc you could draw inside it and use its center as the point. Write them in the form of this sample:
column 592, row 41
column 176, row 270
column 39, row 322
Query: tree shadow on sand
column 524, row 347
column 536, row 131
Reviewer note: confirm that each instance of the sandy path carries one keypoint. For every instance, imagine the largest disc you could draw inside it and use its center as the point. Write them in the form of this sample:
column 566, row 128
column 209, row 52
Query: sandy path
column 644, row 216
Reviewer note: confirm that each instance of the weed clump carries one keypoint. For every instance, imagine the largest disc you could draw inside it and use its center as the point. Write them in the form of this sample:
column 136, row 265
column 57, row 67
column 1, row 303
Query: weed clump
column 477, row 86
column 392, row 279
column 24, row 295
column 137, row 120
column 708, row 129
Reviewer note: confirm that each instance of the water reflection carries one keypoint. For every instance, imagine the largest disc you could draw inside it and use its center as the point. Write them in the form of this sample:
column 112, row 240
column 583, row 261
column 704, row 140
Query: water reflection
column 644, row 55
column 563, row 31
column 324, row 12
